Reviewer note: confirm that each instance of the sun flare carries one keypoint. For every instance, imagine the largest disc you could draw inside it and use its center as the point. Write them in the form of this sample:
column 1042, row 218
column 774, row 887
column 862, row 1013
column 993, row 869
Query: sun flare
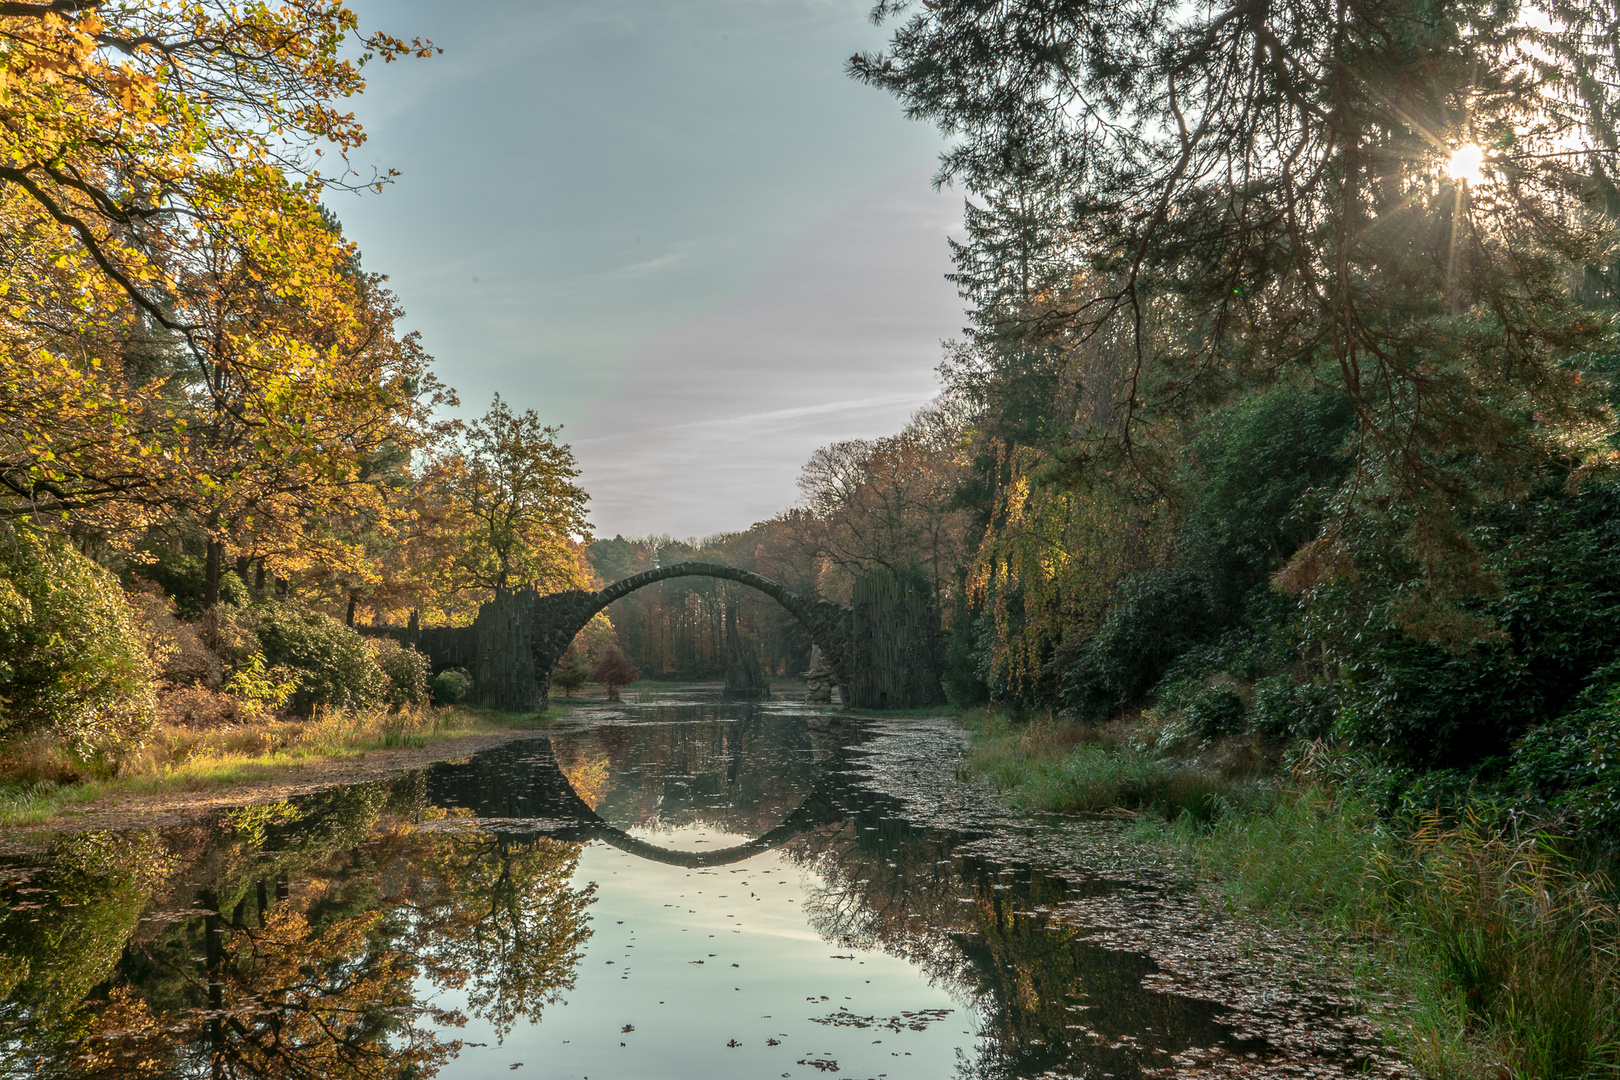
column 1467, row 163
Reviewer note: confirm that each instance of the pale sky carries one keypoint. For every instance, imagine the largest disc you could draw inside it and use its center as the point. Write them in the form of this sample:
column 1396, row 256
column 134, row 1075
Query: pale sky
column 672, row 226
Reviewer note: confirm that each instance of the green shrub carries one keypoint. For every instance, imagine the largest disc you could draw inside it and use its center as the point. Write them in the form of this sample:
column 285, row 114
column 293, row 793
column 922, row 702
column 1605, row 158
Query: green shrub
column 1247, row 474
column 1160, row 616
column 1424, row 705
column 1284, row 710
column 1214, row 712
column 407, row 672
column 71, row 663
column 332, row 663
column 1573, row 762
column 571, row 672
column 450, row 686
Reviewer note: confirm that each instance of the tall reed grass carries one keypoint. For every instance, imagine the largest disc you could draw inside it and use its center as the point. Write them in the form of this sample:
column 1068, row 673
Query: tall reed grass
column 1507, row 953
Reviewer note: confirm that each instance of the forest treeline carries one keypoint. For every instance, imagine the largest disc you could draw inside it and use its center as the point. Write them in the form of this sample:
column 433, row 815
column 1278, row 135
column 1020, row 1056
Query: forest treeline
column 219, row 450
column 1287, row 407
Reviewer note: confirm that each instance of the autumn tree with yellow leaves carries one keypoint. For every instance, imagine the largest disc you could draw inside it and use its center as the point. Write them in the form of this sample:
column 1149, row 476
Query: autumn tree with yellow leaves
column 194, row 365
column 160, row 180
column 509, row 512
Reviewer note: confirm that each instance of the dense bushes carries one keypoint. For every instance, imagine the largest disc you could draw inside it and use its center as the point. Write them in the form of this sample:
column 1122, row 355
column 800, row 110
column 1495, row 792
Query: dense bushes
column 1556, row 616
column 1159, row 616
column 332, row 663
column 1251, row 481
column 1573, row 762
column 1437, row 688
column 1247, row 476
column 407, row 672
column 70, row 663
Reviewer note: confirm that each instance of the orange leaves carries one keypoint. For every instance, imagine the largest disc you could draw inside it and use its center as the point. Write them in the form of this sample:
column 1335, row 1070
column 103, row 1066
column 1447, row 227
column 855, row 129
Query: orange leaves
column 186, row 335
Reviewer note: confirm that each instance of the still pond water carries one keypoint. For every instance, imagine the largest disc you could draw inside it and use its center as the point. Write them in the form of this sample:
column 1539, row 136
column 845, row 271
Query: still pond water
column 685, row 890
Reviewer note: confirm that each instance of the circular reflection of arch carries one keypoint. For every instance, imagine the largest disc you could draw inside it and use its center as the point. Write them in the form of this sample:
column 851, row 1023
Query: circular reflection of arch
column 536, row 800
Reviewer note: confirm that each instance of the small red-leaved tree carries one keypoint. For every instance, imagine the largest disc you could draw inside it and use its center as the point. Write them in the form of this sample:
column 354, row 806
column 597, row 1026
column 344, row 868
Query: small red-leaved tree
column 613, row 669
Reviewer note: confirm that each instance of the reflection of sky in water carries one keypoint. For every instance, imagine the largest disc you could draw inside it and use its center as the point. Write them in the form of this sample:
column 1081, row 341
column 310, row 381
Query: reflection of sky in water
column 761, row 966
column 705, row 959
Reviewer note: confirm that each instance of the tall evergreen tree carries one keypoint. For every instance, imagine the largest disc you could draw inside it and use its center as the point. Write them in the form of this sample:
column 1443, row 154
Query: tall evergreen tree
column 1402, row 196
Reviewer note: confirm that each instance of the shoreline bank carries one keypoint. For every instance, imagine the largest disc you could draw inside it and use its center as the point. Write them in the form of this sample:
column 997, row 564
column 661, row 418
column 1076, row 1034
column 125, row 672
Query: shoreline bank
column 212, row 781
column 1500, row 951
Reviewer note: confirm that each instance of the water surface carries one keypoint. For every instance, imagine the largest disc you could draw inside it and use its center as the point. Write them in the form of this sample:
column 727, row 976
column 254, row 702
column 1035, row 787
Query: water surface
column 699, row 889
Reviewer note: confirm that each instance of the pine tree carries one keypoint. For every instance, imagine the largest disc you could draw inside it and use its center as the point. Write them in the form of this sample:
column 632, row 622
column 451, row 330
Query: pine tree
column 1187, row 204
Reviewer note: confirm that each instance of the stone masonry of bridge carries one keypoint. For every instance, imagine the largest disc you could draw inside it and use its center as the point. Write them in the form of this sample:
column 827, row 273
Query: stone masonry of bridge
column 517, row 639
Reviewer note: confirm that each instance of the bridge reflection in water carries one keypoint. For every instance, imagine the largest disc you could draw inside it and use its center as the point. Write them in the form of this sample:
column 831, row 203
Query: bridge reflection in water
column 710, row 773
column 352, row 934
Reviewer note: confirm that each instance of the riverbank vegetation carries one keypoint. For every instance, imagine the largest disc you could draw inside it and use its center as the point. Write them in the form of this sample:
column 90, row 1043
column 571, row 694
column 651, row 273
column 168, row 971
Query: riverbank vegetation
column 1499, row 943
column 1273, row 493
column 44, row 779
column 220, row 454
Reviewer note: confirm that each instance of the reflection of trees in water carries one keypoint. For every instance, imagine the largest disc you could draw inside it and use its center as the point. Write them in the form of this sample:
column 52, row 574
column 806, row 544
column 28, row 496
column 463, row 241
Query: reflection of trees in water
column 306, row 961
column 284, row 999
column 881, row 889
column 1046, row 999
column 63, row 925
column 497, row 919
column 587, row 772
column 743, row 774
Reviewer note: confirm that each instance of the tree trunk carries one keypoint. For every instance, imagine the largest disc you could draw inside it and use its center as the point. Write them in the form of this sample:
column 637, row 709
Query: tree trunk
column 348, row 619
column 213, row 573
column 258, row 579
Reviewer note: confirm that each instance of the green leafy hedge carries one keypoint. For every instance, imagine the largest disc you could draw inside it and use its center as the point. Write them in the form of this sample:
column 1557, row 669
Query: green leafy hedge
column 333, row 664
column 70, row 661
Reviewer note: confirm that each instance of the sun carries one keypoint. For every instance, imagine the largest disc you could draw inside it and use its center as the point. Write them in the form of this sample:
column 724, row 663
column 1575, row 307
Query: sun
column 1467, row 164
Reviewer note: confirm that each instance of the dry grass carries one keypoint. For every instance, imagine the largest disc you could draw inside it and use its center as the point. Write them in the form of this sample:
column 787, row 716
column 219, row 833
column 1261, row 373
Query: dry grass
column 209, row 740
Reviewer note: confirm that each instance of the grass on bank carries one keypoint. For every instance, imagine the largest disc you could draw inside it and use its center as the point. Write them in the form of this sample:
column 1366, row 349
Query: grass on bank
column 921, row 712
column 1504, row 955
column 40, row 780
column 1072, row 768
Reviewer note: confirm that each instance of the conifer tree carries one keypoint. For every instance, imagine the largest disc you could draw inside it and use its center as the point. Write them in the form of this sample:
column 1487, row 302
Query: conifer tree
column 1188, row 203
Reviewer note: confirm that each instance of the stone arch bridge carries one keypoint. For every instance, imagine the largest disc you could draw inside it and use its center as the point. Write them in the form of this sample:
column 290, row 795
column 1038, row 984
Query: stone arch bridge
column 884, row 649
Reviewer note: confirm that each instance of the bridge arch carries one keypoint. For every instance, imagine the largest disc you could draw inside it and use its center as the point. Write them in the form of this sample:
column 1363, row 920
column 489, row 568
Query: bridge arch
column 519, row 636
column 885, row 650
column 563, row 615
